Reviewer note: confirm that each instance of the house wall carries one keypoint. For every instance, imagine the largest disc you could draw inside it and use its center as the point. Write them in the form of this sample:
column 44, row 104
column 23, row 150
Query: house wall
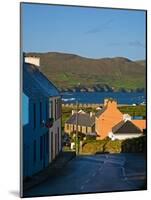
column 35, row 139
column 109, row 118
column 69, row 128
column 127, row 136
column 84, row 129
column 55, row 130
column 89, row 129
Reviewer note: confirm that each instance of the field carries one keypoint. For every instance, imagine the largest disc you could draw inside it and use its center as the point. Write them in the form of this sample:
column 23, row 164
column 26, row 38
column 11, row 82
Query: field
column 67, row 71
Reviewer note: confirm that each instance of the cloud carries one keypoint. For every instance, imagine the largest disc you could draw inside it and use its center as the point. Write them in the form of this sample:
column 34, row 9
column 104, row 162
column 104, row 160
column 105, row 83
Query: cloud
column 136, row 44
column 99, row 28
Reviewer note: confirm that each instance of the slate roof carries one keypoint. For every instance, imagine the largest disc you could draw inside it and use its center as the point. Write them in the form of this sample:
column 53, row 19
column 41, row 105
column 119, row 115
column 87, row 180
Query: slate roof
column 31, row 88
column 100, row 112
column 35, row 83
column 83, row 119
column 125, row 127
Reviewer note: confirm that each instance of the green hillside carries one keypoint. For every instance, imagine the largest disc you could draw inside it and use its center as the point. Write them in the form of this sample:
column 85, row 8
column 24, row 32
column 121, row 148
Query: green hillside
column 73, row 71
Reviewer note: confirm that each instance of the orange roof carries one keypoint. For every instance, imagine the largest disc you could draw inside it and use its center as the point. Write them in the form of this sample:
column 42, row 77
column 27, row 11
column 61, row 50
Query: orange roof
column 140, row 123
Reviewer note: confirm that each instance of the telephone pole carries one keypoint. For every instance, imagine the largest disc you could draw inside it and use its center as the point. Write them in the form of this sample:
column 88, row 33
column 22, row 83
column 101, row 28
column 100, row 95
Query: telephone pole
column 76, row 141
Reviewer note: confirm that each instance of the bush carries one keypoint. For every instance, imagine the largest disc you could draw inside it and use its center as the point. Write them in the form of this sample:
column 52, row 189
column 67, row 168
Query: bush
column 90, row 137
column 113, row 146
column 134, row 145
column 93, row 146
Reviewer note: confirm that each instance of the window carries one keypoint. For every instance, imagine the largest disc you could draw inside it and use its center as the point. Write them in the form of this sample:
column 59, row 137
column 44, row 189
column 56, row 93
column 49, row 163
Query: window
column 51, row 145
column 58, row 139
column 34, row 115
column 47, row 142
column 55, row 109
column 81, row 129
column 41, row 147
column 47, row 110
column 40, row 113
column 34, row 152
column 56, row 144
column 58, row 108
column 67, row 126
column 52, row 109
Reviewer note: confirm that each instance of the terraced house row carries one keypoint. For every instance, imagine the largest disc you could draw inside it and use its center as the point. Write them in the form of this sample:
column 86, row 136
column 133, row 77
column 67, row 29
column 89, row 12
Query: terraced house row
column 107, row 122
column 41, row 118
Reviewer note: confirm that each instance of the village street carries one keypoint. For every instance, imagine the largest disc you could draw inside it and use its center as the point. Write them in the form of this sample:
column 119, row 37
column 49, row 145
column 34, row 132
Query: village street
column 97, row 173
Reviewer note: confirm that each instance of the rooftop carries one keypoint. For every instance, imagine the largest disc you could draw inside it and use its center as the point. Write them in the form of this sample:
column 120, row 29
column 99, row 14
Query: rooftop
column 35, row 82
column 126, row 127
column 84, row 119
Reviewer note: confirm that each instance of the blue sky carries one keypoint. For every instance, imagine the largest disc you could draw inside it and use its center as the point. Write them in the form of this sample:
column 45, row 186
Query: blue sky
column 89, row 32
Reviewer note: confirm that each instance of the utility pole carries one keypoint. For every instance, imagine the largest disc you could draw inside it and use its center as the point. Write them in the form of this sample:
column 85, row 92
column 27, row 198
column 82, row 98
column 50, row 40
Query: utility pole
column 76, row 141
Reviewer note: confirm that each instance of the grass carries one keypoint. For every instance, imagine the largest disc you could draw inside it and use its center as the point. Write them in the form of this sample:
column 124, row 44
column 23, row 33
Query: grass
column 67, row 70
column 134, row 110
column 137, row 145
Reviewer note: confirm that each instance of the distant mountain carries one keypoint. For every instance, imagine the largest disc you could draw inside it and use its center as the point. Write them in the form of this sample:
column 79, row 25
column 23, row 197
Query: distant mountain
column 73, row 72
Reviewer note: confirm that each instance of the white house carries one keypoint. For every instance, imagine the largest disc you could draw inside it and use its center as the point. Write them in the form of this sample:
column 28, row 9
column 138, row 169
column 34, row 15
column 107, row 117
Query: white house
column 41, row 108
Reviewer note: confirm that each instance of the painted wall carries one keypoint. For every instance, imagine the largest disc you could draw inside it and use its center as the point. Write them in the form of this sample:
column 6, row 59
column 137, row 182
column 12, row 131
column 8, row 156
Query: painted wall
column 35, row 145
column 55, row 130
column 126, row 136
column 109, row 118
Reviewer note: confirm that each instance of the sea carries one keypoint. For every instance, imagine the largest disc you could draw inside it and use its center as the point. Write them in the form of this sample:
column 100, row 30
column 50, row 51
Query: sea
column 129, row 98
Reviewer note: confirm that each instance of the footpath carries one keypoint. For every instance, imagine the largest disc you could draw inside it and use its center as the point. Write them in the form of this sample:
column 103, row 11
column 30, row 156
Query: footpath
column 62, row 159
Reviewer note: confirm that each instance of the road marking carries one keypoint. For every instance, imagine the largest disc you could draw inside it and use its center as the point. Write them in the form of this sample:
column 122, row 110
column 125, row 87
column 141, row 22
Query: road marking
column 124, row 174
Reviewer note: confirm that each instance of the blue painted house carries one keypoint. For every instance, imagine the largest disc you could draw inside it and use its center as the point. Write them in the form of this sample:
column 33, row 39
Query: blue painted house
column 41, row 108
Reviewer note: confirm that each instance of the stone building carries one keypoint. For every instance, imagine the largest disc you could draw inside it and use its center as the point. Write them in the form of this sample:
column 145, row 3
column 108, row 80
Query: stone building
column 85, row 121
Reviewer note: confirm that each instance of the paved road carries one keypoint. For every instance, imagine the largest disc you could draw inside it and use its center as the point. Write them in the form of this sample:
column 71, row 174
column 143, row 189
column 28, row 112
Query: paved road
column 99, row 173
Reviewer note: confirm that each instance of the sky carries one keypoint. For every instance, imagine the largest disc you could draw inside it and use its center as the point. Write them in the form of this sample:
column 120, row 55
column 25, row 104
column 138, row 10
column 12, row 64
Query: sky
column 88, row 32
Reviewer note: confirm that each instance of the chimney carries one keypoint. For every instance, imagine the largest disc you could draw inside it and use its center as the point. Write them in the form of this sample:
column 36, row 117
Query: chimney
column 112, row 104
column 73, row 112
column 32, row 60
column 105, row 102
column 126, row 117
column 91, row 114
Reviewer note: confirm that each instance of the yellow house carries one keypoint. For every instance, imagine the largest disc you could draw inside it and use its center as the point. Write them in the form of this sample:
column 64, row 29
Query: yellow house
column 85, row 121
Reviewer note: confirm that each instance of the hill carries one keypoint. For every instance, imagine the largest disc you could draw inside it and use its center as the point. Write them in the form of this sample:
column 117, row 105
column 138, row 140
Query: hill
column 73, row 72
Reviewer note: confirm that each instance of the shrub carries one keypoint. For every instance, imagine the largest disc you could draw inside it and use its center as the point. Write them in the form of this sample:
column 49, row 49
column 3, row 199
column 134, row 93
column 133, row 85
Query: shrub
column 134, row 145
column 90, row 137
column 93, row 146
column 113, row 146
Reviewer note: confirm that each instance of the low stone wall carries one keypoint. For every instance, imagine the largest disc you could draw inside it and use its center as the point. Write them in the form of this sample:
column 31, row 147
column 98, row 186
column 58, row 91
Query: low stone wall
column 86, row 105
column 82, row 105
